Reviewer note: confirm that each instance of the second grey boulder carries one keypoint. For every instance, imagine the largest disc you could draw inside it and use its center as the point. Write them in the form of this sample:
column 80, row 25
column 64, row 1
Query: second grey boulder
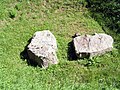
column 89, row 46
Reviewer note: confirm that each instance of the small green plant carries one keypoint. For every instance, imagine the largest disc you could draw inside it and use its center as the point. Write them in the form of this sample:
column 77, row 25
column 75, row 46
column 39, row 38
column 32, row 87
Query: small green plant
column 12, row 13
column 17, row 7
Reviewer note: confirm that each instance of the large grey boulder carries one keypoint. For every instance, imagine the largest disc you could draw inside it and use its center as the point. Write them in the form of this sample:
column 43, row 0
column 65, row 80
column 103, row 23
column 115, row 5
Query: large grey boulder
column 42, row 48
column 89, row 46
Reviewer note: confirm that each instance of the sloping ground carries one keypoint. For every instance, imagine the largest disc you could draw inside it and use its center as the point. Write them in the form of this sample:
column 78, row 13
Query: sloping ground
column 20, row 19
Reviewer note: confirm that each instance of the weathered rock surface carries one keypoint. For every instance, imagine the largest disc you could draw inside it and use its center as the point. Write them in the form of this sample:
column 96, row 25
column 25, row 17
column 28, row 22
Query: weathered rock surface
column 89, row 46
column 42, row 48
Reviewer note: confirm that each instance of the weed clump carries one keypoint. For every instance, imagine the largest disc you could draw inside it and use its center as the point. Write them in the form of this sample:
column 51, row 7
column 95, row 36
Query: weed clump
column 12, row 13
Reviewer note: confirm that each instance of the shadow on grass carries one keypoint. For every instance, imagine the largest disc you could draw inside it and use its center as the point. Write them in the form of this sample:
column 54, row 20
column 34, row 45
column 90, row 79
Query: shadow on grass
column 71, row 52
column 24, row 56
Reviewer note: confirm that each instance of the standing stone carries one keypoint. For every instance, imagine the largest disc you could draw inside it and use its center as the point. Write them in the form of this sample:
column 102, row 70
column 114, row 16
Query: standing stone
column 89, row 46
column 42, row 48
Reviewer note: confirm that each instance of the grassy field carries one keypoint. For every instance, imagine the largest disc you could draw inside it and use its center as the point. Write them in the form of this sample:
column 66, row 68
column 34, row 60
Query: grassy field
column 19, row 19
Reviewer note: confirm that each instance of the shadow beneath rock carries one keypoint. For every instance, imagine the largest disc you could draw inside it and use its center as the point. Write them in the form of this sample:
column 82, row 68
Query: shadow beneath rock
column 71, row 52
column 24, row 56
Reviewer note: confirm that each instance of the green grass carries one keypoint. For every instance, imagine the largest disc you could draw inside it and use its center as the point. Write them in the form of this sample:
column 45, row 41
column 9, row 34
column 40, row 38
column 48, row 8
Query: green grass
column 63, row 19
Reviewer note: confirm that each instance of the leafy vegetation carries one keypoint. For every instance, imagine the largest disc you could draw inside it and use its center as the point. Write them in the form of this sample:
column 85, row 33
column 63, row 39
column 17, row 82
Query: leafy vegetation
column 108, row 11
column 19, row 19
